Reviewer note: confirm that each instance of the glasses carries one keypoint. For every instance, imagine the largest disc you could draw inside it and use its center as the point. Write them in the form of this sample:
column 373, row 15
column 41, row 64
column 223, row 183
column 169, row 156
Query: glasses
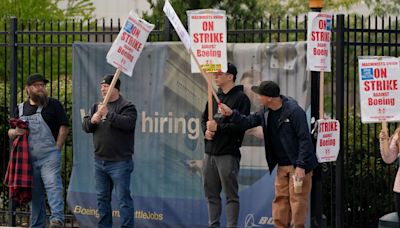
column 38, row 85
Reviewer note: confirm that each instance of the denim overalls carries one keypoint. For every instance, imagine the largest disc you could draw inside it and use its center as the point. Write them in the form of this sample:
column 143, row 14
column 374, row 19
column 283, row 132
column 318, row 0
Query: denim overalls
column 46, row 164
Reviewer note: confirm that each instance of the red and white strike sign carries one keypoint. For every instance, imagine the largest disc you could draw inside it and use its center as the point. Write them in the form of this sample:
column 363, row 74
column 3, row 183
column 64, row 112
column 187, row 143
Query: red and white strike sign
column 328, row 140
column 129, row 43
column 379, row 89
column 319, row 41
column 207, row 30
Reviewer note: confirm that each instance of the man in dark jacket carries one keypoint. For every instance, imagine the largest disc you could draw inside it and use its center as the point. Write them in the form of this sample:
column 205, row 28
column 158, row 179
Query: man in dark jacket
column 287, row 144
column 222, row 154
column 113, row 128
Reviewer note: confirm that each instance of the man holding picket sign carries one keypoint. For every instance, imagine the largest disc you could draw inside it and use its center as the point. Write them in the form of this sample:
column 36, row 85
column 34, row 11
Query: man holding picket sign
column 221, row 161
column 112, row 123
column 222, row 155
column 207, row 47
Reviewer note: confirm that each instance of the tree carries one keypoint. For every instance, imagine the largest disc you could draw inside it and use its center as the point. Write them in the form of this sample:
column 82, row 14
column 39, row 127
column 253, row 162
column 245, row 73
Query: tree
column 234, row 8
column 384, row 7
column 261, row 9
column 46, row 9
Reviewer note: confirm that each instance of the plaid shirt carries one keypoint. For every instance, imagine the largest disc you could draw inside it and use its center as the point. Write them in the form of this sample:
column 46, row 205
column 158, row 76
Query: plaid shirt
column 19, row 176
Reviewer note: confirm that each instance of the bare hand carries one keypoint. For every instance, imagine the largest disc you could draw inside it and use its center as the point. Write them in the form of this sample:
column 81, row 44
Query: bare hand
column 209, row 135
column 256, row 131
column 383, row 135
column 299, row 173
column 211, row 125
column 102, row 110
column 96, row 118
column 19, row 131
column 225, row 110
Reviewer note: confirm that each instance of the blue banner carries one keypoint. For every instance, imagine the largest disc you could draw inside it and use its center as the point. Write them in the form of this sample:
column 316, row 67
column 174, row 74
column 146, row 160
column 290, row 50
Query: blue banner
column 166, row 182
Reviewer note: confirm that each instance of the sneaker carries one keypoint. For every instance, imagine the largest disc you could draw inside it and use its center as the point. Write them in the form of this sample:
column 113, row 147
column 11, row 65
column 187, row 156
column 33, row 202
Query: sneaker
column 56, row 224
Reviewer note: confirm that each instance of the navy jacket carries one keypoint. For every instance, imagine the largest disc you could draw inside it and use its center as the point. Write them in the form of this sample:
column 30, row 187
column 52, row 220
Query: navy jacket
column 228, row 137
column 294, row 132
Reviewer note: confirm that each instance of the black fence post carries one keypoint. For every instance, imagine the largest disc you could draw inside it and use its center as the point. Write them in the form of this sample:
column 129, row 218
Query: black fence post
column 316, row 191
column 13, row 97
column 167, row 29
column 340, row 117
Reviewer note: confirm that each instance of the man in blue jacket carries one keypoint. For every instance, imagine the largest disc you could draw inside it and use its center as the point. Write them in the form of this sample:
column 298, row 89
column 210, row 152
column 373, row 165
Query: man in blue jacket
column 287, row 144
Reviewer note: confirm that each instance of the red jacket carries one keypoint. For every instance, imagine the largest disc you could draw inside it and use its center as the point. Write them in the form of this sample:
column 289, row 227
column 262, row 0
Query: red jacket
column 19, row 176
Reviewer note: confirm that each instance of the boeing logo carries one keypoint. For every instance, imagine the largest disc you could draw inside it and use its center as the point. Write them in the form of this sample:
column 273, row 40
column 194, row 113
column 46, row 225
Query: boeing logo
column 249, row 221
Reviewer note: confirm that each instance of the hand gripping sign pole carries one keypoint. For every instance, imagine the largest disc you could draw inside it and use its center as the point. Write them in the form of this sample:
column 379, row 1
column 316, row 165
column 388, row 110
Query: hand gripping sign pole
column 185, row 38
column 127, row 47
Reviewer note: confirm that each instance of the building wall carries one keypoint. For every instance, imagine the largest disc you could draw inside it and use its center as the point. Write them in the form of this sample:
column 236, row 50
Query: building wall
column 118, row 8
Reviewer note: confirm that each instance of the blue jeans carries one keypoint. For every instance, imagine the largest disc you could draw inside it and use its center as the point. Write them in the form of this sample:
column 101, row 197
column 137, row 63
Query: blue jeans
column 109, row 175
column 47, row 176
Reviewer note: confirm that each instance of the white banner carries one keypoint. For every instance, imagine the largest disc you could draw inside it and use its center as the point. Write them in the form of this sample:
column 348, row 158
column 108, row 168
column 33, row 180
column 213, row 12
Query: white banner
column 379, row 89
column 207, row 30
column 129, row 43
column 179, row 28
column 328, row 140
column 319, row 41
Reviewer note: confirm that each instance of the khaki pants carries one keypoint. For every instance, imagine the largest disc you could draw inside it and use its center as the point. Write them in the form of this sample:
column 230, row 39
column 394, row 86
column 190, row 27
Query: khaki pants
column 289, row 207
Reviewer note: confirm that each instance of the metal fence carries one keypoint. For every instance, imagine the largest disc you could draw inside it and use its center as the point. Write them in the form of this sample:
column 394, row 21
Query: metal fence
column 352, row 192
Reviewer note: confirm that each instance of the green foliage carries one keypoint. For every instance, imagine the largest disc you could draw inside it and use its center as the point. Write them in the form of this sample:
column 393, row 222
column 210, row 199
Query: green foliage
column 384, row 7
column 252, row 9
column 82, row 8
column 46, row 9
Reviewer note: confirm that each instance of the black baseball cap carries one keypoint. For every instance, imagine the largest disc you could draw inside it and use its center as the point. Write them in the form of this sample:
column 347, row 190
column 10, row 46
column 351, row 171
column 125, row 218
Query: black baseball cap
column 36, row 77
column 267, row 88
column 108, row 79
column 232, row 69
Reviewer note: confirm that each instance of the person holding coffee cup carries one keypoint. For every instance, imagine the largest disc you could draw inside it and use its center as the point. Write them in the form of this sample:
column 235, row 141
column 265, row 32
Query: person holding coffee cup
column 287, row 144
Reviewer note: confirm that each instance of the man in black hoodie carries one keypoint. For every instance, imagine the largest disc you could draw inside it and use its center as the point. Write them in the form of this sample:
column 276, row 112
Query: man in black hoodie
column 222, row 154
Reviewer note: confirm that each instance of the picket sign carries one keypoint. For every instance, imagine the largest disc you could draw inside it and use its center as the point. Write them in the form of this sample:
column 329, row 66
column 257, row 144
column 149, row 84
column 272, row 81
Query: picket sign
column 185, row 38
column 207, row 28
column 328, row 140
column 127, row 47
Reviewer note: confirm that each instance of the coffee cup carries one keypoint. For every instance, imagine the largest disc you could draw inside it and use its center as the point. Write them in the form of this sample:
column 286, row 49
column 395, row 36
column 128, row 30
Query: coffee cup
column 298, row 184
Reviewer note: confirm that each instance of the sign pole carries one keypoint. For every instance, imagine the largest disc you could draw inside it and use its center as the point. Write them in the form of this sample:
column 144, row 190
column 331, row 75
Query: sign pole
column 210, row 90
column 321, row 95
column 209, row 98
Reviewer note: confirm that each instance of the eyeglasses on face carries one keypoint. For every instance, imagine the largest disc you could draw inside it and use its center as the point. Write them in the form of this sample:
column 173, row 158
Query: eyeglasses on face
column 38, row 85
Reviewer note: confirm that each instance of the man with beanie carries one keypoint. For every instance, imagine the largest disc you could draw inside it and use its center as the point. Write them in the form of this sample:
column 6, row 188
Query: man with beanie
column 222, row 154
column 113, row 128
column 48, row 129
column 287, row 144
